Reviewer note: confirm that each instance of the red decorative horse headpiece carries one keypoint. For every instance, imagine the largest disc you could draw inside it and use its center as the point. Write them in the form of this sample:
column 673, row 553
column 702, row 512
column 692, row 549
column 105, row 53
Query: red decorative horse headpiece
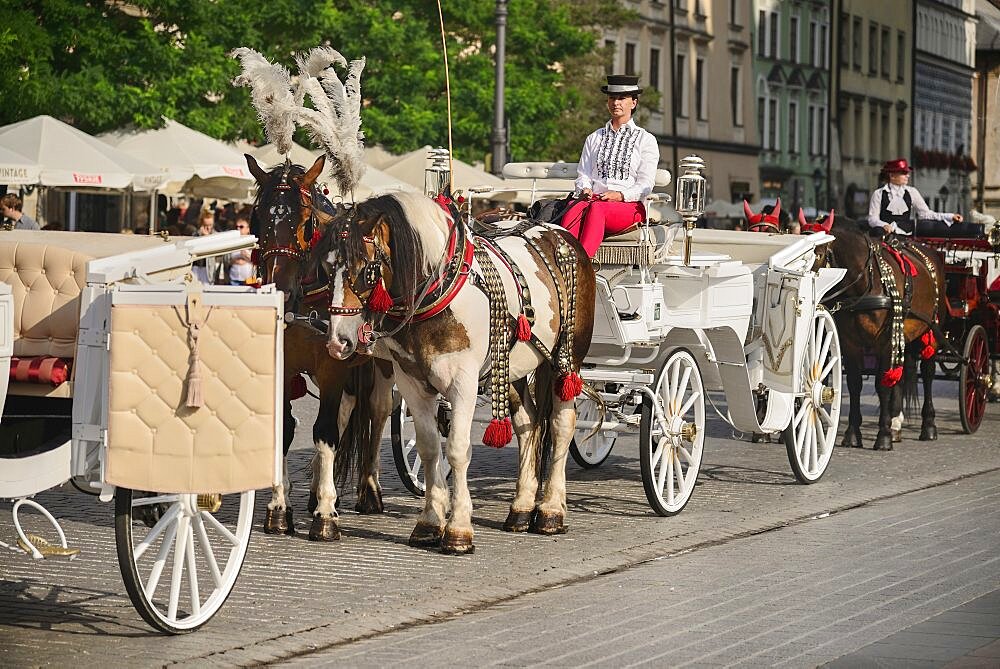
column 771, row 218
column 816, row 226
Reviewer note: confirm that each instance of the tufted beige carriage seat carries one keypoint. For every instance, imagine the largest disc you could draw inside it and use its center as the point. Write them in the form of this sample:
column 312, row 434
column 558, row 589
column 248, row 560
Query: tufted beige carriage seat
column 46, row 272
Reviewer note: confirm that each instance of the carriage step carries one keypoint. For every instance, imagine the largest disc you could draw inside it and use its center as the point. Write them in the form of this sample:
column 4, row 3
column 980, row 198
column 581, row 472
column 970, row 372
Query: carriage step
column 45, row 548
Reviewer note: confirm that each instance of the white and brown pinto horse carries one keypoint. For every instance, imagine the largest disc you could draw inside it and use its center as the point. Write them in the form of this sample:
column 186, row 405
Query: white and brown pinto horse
column 289, row 214
column 449, row 309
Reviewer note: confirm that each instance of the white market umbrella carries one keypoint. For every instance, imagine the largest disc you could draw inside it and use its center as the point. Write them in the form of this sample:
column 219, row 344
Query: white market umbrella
column 195, row 163
column 411, row 167
column 18, row 170
column 70, row 158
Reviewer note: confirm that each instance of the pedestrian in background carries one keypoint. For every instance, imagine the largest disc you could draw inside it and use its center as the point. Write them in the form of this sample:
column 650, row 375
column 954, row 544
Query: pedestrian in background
column 10, row 206
column 240, row 266
column 205, row 269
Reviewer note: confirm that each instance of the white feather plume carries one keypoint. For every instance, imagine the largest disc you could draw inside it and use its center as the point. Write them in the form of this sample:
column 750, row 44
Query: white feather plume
column 273, row 98
column 335, row 120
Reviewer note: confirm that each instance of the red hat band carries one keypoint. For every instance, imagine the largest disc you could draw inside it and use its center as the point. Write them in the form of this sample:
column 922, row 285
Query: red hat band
column 896, row 166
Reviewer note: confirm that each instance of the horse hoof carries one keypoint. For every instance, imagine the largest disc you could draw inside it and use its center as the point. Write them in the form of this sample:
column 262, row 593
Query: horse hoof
column 517, row 521
column 457, row 543
column 425, row 535
column 897, row 436
column 928, row 434
column 313, row 503
column 279, row 521
column 324, row 529
column 369, row 502
column 756, row 438
column 883, row 443
column 548, row 523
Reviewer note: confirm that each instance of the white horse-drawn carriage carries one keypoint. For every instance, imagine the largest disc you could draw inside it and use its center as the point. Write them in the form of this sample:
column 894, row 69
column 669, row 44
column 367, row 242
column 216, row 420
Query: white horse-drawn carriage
column 733, row 312
column 137, row 384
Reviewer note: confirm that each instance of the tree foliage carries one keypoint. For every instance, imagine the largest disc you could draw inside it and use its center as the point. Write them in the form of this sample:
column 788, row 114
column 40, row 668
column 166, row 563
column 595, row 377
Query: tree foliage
column 102, row 65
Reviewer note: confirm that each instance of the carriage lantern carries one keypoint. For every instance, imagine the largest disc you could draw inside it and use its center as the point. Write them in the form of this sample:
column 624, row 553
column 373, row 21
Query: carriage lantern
column 690, row 197
column 437, row 177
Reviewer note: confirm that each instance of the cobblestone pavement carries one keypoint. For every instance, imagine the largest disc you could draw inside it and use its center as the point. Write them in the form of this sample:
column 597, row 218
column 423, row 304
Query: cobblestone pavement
column 295, row 596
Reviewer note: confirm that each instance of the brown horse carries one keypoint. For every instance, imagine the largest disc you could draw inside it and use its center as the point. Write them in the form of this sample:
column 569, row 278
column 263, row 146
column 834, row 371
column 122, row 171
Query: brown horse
column 894, row 280
column 450, row 310
column 288, row 212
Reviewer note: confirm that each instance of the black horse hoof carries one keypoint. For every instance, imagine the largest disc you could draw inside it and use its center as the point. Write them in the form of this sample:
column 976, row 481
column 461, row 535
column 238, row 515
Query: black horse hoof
column 457, row 543
column 883, row 443
column 517, row 521
column 851, row 443
column 279, row 521
column 324, row 529
column 425, row 535
column 369, row 501
column 928, row 433
column 548, row 523
column 313, row 503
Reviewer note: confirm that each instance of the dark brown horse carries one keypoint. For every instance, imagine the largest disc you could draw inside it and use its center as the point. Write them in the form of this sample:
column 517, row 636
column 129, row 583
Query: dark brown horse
column 289, row 212
column 887, row 280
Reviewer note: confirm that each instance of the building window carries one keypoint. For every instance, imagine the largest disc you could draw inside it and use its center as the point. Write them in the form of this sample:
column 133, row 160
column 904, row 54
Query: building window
column 773, row 36
column 654, row 68
column 793, row 126
column 736, row 96
column 900, row 134
column 762, row 33
column 701, row 99
column 681, row 5
column 680, row 89
column 886, row 53
column 772, row 125
column 761, row 117
column 629, row 58
column 844, row 38
column 813, row 35
column 793, row 38
column 824, row 133
column 873, row 142
column 811, row 118
column 886, row 147
column 859, row 132
column 856, row 44
column 900, row 56
column 611, row 48
column 699, row 9
column 872, row 48
column 824, row 46
column 734, row 13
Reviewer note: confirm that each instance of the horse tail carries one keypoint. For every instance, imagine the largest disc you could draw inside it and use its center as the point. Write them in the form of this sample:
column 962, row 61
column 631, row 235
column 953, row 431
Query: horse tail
column 544, row 391
column 355, row 441
column 911, row 397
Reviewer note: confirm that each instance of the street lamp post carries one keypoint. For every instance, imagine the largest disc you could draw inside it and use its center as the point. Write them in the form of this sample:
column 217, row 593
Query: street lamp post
column 499, row 138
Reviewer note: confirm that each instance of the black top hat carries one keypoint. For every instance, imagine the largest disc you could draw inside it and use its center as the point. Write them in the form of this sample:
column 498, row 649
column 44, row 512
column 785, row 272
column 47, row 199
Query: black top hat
column 621, row 83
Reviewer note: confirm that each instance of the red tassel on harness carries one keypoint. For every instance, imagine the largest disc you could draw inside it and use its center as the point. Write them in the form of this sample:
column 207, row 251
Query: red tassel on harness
column 296, row 387
column 498, row 433
column 892, row 376
column 930, row 345
column 380, row 301
column 570, row 385
column 317, row 235
column 523, row 328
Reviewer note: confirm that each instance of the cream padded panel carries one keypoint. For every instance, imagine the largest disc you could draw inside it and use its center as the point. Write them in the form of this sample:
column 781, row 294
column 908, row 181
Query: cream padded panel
column 158, row 444
column 46, row 282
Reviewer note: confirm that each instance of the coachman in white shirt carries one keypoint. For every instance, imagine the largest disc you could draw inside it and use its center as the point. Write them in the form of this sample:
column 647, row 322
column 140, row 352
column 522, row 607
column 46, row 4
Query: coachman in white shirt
column 892, row 206
column 617, row 170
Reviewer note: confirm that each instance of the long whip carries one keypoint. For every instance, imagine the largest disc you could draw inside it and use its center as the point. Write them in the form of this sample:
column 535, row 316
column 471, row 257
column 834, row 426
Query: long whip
column 447, row 91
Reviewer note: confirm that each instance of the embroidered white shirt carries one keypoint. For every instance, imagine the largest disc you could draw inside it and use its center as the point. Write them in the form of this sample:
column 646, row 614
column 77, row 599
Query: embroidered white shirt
column 897, row 205
column 624, row 161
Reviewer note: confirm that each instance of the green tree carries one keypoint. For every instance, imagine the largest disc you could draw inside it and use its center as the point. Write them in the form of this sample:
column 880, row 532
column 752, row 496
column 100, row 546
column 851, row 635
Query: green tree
column 101, row 65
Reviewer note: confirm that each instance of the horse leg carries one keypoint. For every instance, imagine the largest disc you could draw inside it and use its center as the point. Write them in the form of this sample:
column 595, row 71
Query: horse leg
column 551, row 514
column 278, row 518
column 928, row 429
column 325, row 524
column 525, row 420
column 458, row 533
column 889, row 406
column 423, row 407
column 380, row 407
column 852, row 435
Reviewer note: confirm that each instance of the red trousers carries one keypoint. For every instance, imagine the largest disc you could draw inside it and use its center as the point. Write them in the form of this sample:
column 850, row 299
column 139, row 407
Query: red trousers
column 591, row 222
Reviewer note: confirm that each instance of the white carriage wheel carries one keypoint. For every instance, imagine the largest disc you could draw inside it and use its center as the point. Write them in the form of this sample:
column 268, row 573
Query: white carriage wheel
column 812, row 432
column 672, row 434
column 409, row 467
column 180, row 555
column 592, row 452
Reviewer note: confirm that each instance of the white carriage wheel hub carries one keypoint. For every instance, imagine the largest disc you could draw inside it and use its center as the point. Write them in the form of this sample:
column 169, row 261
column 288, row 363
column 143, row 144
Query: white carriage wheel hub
column 679, row 430
column 818, row 394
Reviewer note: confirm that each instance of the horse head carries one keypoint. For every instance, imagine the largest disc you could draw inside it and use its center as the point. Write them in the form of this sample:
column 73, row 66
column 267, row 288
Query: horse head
column 766, row 221
column 288, row 214
column 375, row 260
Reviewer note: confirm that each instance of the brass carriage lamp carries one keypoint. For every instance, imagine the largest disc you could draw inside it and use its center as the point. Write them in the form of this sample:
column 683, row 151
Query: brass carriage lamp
column 690, row 197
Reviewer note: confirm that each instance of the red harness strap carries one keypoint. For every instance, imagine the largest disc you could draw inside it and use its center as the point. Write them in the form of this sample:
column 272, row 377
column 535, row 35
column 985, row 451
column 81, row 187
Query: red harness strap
column 907, row 265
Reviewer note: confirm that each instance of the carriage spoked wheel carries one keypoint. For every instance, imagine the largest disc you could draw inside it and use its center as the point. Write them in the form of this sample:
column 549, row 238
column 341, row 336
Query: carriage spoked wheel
column 672, row 434
column 812, row 432
column 592, row 452
column 974, row 381
column 404, row 450
column 180, row 571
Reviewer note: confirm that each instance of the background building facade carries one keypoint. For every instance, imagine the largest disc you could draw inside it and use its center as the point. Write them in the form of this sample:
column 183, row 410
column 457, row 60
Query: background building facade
column 986, row 105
